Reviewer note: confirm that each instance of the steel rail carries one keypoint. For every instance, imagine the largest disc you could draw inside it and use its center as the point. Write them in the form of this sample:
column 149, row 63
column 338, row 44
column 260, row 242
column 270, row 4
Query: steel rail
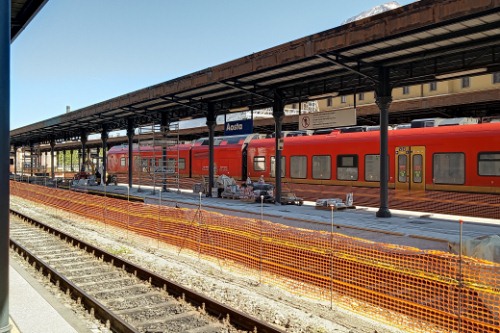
column 236, row 318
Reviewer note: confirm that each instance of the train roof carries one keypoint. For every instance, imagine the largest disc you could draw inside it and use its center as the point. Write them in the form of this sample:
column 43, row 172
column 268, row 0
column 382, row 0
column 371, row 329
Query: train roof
column 408, row 132
column 228, row 140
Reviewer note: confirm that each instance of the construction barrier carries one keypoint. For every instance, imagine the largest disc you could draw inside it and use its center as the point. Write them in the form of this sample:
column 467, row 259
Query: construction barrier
column 417, row 290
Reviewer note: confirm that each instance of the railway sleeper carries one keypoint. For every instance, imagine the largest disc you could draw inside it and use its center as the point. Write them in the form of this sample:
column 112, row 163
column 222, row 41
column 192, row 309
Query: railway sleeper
column 104, row 277
column 176, row 323
column 160, row 313
column 123, row 303
column 135, row 289
column 103, row 285
column 153, row 306
column 62, row 264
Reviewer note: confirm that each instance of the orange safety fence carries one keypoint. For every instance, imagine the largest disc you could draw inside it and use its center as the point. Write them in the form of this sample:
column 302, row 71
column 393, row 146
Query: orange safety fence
column 418, row 290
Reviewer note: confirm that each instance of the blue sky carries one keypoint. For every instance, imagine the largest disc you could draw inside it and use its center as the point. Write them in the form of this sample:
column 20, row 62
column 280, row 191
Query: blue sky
column 82, row 52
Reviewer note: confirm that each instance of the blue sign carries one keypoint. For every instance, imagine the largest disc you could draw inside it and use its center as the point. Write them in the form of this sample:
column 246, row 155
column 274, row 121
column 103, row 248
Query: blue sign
column 238, row 127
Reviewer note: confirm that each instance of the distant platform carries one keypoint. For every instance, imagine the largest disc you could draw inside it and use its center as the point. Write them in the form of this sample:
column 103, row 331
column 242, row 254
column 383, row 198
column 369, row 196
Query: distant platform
column 426, row 231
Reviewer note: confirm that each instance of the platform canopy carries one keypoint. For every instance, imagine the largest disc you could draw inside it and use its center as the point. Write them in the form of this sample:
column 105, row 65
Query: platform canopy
column 422, row 42
column 21, row 13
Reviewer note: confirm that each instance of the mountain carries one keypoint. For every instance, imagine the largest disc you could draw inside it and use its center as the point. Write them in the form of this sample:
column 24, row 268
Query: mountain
column 374, row 11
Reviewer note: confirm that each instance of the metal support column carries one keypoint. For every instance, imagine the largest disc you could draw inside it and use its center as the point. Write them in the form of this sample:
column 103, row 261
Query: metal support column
column 83, row 139
column 104, row 139
column 130, row 136
column 79, row 159
column 31, row 159
column 383, row 100
column 4, row 162
column 211, row 121
column 15, row 161
column 64, row 162
column 164, row 127
column 52, row 145
column 278, row 115
column 98, row 151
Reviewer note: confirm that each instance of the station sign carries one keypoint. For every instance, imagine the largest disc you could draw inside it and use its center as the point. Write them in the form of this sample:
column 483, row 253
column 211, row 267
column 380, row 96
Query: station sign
column 327, row 119
column 238, row 127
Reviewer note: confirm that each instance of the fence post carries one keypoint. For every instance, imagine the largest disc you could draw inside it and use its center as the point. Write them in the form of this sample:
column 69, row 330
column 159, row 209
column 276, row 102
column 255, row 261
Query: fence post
column 460, row 282
column 261, row 240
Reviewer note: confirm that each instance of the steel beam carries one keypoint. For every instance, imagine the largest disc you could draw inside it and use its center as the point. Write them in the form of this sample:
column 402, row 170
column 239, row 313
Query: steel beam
column 4, row 162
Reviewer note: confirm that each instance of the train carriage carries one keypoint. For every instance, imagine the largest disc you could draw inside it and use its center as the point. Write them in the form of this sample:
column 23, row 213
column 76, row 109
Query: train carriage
column 459, row 158
column 452, row 158
column 229, row 156
column 148, row 160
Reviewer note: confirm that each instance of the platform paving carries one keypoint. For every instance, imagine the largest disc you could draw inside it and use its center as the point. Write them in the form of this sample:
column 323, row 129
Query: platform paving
column 418, row 229
column 33, row 309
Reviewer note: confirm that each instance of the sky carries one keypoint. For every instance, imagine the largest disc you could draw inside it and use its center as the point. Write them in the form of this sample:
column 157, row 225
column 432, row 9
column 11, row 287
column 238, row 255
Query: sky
column 79, row 53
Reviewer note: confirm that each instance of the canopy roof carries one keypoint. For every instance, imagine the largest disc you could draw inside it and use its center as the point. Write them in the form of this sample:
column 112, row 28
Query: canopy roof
column 422, row 42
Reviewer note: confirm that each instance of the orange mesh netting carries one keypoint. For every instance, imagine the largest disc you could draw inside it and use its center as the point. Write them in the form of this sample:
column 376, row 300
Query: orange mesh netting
column 420, row 291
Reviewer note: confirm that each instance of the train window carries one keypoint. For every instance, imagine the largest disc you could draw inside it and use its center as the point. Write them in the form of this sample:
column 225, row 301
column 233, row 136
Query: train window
column 322, row 167
column 372, row 168
column 123, row 161
column 402, row 168
column 298, row 166
column 144, row 164
column 496, row 77
column 347, row 167
column 171, row 165
column 182, row 163
column 417, row 168
column 466, row 82
column 273, row 166
column 489, row 164
column 259, row 163
column 448, row 168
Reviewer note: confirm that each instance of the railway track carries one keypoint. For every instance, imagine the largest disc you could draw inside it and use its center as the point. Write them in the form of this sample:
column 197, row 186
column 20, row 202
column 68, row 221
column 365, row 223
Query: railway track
column 126, row 297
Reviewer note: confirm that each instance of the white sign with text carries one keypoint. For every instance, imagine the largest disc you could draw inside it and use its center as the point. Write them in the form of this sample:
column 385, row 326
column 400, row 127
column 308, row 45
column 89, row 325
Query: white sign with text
column 327, row 119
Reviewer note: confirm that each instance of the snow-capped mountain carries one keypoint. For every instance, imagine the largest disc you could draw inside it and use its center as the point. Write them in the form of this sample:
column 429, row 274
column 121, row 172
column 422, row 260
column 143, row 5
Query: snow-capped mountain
column 374, row 11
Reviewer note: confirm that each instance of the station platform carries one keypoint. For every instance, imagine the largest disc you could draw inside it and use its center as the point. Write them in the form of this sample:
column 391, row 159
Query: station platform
column 418, row 229
column 33, row 309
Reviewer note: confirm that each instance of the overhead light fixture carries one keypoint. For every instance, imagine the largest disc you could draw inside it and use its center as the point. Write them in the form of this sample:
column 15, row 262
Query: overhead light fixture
column 324, row 96
column 461, row 73
column 240, row 109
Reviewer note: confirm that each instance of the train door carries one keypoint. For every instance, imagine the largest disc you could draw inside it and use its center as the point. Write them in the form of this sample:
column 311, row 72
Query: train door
column 410, row 168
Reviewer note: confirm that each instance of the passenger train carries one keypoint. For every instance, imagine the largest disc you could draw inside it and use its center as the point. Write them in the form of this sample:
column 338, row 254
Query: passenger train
column 459, row 158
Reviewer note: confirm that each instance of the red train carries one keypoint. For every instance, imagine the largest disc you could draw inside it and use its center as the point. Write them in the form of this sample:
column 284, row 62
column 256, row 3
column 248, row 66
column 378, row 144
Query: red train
column 460, row 158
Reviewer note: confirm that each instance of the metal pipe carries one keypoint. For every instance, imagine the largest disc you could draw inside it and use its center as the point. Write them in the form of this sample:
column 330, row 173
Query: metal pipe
column 4, row 162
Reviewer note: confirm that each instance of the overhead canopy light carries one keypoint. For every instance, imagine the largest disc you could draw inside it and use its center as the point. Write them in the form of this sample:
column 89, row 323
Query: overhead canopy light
column 240, row 109
column 324, row 96
column 461, row 73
